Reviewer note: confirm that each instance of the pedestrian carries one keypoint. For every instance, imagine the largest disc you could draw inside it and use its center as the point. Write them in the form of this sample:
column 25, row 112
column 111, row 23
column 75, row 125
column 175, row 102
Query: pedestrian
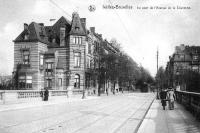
column 171, row 97
column 42, row 94
column 107, row 91
column 113, row 89
column 163, row 96
column 46, row 94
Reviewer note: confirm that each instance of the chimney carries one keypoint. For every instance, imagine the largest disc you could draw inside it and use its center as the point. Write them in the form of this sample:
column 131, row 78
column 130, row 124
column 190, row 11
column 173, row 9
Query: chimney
column 83, row 22
column 92, row 29
column 62, row 35
column 25, row 26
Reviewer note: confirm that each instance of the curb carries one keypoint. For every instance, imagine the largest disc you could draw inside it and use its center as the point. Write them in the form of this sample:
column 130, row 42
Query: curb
column 138, row 126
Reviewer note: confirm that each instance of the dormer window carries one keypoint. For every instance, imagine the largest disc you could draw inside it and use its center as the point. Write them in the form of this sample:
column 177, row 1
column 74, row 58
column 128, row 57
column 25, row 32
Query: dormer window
column 53, row 40
column 77, row 28
column 26, row 36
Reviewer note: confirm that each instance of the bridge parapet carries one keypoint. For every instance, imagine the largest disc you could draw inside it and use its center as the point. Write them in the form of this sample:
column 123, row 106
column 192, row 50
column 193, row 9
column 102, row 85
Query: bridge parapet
column 191, row 100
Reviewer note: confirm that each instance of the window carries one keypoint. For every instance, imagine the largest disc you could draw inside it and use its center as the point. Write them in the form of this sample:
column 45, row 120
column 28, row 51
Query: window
column 195, row 57
column 181, row 56
column 77, row 81
column 22, row 82
column 77, row 59
column 49, row 83
column 59, row 82
column 49, row 68
column 195, row 68
column 26, row 36
column 96, row 47
column 28, row 81
column 77, row 40
column 89, row 48
column 26, row 56
column 88, row 63
column 41, row 60
column 91, row 63
column 25, row 82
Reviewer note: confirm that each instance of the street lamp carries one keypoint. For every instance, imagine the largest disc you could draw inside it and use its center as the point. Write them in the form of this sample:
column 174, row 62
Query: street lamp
column 177, row 78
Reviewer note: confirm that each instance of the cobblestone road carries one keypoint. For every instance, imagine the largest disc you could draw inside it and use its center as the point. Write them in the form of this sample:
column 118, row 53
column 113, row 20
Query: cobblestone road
column 120, row 113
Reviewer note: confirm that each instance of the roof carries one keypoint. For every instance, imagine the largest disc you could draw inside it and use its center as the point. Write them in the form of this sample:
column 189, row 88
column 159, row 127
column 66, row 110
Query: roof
column 51, row 34
column 35, row 32
column 76, row 25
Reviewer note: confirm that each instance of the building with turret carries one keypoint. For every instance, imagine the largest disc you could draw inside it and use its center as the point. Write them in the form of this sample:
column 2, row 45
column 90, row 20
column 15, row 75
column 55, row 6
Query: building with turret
column 63, row 56
column 51, row 56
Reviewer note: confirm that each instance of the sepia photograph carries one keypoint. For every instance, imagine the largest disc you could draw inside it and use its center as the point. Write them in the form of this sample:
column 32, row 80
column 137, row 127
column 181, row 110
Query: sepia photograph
column 100, row 66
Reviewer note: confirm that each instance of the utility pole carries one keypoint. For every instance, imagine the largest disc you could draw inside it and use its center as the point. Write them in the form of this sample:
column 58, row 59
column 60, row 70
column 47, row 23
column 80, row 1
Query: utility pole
column 157, row 54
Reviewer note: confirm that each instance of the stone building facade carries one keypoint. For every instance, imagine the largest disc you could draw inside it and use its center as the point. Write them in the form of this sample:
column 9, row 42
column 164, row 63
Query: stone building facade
column 184, row 58
column 51, row 56
column 58, row 57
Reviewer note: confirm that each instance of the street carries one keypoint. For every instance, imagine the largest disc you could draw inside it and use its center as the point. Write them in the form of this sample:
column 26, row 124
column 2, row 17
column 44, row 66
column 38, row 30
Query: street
column 105, row 114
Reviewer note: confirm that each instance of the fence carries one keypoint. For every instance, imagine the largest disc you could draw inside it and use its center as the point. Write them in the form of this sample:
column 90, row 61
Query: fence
column 191, row 101
column 14, row 96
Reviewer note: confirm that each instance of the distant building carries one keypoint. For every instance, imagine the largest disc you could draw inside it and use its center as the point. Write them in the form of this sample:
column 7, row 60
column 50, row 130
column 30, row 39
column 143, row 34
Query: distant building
column 5, row 79
column 184, row 58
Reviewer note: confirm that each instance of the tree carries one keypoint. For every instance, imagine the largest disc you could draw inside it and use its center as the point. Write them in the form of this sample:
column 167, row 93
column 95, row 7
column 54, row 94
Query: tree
column 161, row 78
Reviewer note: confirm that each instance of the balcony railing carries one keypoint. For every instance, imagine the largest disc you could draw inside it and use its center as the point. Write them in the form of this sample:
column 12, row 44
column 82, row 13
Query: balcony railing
column 190, row 100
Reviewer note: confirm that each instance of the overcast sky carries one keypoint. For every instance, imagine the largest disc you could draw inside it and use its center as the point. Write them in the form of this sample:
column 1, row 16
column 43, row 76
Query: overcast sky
column 140, row 32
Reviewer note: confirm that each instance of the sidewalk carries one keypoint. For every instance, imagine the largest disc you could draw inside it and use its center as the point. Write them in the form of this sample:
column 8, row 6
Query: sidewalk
column 178, row 120
column 30, row 104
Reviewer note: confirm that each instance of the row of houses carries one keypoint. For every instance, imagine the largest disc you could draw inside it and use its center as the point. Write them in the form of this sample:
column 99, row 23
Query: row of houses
column 63, row 56
column 183, row 59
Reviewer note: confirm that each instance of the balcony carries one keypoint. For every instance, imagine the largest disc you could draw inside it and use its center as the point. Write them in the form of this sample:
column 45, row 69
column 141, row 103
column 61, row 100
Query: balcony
column 23, row 66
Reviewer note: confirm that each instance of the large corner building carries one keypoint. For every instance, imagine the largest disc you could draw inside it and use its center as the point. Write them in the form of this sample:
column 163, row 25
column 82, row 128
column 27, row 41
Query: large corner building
column 51, row 56
column 62, row 56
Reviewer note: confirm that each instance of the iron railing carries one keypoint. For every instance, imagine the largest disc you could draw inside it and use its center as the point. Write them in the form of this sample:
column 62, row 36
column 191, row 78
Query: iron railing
column 190, row 100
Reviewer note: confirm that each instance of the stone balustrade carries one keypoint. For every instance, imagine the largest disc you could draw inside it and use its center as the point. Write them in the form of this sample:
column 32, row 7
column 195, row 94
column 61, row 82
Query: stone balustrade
column 15, row 96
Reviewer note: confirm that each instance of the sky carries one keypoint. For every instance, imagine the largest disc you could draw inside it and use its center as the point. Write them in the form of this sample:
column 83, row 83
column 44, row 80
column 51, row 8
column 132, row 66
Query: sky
column 139, row 31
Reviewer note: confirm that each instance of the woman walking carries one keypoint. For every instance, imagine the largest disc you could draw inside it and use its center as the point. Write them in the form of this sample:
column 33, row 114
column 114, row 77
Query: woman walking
column 163, row 96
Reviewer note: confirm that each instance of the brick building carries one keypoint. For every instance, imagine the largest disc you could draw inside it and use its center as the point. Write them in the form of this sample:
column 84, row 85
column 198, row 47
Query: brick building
column 62, row 56
column 51, row 56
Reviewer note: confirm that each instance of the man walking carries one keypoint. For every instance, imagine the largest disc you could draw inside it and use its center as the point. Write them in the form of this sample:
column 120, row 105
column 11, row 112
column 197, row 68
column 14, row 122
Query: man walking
column 171, row 97
column 163, row 95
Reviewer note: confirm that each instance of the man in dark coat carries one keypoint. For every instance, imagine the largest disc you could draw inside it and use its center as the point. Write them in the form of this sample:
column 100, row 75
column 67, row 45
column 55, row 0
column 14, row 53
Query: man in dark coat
column 46, row 94
column 163, row 96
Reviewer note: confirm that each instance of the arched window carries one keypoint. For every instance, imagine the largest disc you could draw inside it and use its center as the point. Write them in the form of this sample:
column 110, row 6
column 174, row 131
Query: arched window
column 77, row 81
